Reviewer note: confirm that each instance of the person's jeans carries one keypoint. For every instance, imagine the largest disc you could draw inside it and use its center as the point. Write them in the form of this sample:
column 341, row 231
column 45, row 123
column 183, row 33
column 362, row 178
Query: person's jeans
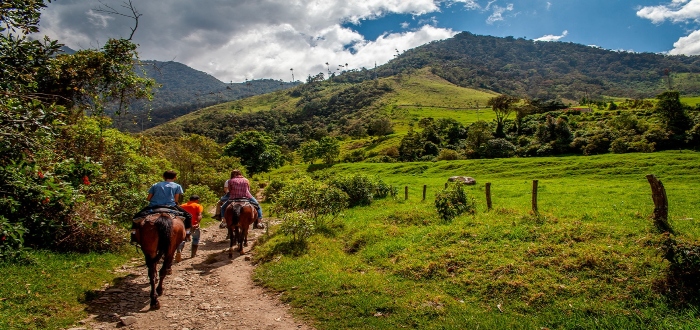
column 195, row 239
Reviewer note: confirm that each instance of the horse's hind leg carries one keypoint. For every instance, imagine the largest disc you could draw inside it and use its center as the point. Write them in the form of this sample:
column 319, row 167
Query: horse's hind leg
column 232, row 238
column 165, row 270
column 152, row 280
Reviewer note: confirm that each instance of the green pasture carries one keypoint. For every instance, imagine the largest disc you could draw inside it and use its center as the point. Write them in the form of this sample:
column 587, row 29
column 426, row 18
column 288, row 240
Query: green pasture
column 691, row 101
column 49, row 290
column 587, row 260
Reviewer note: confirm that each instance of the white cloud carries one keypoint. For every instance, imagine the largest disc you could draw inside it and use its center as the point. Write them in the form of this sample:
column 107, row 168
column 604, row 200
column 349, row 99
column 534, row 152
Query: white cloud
column 551, row 37
column 469, row 4
column 235, row 40
column 549, row 5
column 678, row 11
column 405, row 25
column 689, row 45
column 498, row 11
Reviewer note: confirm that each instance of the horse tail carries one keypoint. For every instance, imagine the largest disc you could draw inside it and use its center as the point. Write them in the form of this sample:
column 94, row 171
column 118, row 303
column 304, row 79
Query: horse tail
column 165, row 228
column 236, row 213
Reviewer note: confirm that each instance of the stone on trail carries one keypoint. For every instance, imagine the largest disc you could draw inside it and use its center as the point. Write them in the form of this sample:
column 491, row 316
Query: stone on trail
column 128, row 320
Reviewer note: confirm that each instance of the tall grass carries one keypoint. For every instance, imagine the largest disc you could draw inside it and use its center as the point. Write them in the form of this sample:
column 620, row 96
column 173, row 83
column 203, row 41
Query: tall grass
column 588, row 259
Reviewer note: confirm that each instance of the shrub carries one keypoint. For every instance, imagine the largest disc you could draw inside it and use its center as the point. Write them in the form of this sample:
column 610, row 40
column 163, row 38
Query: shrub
column 206, row 196
column 11, row 239
column 272, row 190
column 682, row 282
column 315, row 199
column 454, row 201
column 448, row 154
column 86, row 230
column 360, row 188
column 298, row 225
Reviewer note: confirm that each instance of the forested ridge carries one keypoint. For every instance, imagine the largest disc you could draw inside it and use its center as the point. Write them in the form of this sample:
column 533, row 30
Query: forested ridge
column 547, row 70
column 182, row 89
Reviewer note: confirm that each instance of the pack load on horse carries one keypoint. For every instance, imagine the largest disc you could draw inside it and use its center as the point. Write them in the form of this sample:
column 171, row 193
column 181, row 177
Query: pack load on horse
column 160, row 228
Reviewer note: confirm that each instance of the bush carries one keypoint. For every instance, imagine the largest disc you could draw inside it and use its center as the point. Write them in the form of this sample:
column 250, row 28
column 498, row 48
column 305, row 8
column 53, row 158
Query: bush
column 85, row 230
column 272, row 190
column 360, row 188
column 11, row 239
column 298, row 225
column 682, row 282
column 448, row 154
column 454, row 201
column 315, row 199
column 206, row 196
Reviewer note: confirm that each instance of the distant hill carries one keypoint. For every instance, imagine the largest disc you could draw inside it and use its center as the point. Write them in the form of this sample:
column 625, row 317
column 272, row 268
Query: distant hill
column 183, row 90
column 546, row 70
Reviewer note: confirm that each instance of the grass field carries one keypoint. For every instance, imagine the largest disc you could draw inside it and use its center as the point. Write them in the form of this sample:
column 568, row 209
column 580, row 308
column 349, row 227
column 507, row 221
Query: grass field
column 49, row 291
column 587, row 260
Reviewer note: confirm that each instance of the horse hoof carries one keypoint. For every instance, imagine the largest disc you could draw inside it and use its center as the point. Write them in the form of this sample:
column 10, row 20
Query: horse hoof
column 245, row 244
column 169, row 271
column 155, row 306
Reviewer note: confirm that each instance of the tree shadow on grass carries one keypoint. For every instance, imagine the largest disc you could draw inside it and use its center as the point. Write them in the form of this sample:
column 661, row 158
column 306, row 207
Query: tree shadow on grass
column 317, row 167
column 287, row 248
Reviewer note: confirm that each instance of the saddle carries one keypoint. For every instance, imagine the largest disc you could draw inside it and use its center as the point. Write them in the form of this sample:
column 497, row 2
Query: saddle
column 156, row 213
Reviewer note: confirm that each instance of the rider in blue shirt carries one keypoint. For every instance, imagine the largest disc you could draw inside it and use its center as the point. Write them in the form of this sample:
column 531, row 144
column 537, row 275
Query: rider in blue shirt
column 164, row 194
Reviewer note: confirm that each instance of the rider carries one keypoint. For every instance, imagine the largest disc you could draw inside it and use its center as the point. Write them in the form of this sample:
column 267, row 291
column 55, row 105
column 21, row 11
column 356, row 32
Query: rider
column 195, row 210
column 238, row 187
column 164, row 194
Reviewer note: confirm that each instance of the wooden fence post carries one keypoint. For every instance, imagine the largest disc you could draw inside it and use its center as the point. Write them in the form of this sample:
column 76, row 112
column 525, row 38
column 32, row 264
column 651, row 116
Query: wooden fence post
column 488, row 196
column 534, row 196
column 425, row 187
column 658, row 195
column 405, row 191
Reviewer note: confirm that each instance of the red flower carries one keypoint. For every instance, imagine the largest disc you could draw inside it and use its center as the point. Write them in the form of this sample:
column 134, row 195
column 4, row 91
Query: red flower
column 40, row 174
column 86, row 180
column 46, row 200
column 3, row 238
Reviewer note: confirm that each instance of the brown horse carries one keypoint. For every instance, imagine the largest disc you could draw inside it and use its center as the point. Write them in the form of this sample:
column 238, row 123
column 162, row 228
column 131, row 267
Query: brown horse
column 239, row 215
column 159, row 236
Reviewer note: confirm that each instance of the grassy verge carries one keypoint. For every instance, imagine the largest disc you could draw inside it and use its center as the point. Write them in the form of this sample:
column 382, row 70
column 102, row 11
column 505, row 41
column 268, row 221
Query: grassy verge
column 587, row 260
column 49, row 291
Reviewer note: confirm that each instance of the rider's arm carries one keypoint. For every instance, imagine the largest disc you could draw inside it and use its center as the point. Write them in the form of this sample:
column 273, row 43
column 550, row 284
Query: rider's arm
column 149, row 197
column 177, row 199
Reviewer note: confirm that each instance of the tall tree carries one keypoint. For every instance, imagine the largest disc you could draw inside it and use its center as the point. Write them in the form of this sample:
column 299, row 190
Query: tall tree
column 502, row 105
column 257, row 151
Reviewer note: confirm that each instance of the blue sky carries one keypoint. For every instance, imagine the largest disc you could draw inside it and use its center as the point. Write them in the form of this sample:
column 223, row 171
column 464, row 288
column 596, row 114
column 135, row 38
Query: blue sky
column 235, row 40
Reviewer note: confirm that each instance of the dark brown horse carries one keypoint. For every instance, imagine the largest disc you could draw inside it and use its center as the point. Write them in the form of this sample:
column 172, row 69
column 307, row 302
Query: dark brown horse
column 239, row 216
column 159, row 236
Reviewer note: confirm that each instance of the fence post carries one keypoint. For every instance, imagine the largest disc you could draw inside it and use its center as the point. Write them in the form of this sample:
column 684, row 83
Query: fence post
column 425, row 187
column 488, row 196
column 658, row 195
column 405, row 192
column 534, row 196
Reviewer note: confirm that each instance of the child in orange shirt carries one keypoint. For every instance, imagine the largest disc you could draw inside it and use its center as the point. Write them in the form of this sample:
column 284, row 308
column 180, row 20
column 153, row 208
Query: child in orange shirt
column 195, row 209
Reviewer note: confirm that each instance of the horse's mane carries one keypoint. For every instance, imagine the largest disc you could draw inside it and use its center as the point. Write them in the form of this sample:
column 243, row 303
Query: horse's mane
column 165, row 228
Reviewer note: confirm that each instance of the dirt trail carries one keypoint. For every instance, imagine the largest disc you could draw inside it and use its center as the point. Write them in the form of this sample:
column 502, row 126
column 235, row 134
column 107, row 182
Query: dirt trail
column 209, row 291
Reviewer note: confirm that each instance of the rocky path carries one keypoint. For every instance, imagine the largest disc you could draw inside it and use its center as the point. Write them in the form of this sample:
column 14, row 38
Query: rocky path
column 209, row 291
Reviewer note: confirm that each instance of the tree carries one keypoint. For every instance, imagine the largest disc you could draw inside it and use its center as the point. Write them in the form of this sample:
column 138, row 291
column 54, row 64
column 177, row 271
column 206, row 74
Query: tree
column 502, row 105
column 44, row 95
column 674, row 116
column 309, row 151
column 328, row 149
column 257, row 152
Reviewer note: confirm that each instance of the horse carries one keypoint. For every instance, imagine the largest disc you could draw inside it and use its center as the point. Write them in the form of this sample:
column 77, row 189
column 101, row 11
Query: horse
column 239, row 215
column 159, row 236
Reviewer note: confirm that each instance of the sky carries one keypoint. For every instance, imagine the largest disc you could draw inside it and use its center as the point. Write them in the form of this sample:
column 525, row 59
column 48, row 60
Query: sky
column 235, row 40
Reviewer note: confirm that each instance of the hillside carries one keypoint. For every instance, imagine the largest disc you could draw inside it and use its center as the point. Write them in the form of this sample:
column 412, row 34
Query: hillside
column 325, row 108
column 183, row 90
column 545, row 70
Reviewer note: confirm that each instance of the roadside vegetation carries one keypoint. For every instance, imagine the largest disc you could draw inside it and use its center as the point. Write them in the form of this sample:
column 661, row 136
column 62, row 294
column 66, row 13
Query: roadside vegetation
column 590, row 258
